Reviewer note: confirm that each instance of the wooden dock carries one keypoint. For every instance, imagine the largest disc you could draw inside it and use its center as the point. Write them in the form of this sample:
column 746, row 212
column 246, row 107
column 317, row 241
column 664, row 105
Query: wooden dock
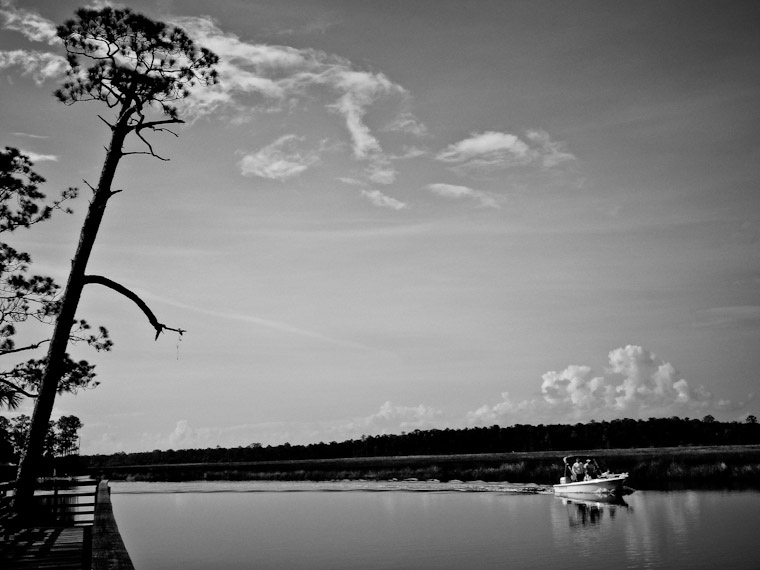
column 79, row 534
column 59, row 548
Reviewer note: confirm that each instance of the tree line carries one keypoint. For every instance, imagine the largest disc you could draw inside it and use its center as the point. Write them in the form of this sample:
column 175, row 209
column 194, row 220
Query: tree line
column 62, row 437
column 615, row 434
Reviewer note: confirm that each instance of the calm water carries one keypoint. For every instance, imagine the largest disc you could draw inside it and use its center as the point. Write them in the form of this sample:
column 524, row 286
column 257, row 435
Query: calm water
column 231, row 526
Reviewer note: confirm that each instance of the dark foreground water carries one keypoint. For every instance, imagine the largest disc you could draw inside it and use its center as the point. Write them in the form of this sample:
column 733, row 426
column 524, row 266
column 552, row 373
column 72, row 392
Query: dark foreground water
column 359, row 526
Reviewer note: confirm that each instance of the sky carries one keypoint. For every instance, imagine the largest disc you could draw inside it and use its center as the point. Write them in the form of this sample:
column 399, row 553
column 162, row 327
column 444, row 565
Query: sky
column 392, row 216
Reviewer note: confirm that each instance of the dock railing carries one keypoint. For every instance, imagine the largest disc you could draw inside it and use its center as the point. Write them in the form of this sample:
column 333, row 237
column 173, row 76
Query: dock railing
column 59, row 503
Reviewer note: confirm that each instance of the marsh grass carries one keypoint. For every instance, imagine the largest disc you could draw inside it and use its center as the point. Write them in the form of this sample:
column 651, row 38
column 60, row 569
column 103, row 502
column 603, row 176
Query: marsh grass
column 651, row 468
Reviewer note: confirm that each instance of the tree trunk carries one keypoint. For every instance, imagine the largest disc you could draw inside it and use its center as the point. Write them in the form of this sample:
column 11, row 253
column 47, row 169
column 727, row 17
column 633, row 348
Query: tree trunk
column 29, row 467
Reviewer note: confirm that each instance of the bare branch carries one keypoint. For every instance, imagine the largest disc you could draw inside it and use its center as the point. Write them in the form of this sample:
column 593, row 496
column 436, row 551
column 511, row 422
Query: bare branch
column 110, row 126
column 150, row 147
column 15, row 388
column 154, row 124
column 100, row 280
column 24, row 348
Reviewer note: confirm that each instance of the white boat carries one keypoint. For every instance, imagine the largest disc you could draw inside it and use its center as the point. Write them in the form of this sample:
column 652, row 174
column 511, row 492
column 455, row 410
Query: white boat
column 599, row 483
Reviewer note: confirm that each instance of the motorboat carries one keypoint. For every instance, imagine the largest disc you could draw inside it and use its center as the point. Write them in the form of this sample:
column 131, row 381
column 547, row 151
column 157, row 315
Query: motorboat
column 590, row 479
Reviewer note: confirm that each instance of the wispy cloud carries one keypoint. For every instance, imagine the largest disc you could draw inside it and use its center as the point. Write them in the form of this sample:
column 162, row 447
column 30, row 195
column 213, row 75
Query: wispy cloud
column 40, row 66
column 27, row 22
column 452, row 191
column 492, row 150
column 724, row 317
column 279, row 160
column 37, row 157
column 254, row 78
column 258, row 76
column 406, row 122
column 30, row 136
column 318, row 26
column 383, row 201
column 550, row 153
column 269, row 324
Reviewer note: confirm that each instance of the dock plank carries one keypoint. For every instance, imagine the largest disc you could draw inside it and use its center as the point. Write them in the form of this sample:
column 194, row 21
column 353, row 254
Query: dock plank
column 48, row 548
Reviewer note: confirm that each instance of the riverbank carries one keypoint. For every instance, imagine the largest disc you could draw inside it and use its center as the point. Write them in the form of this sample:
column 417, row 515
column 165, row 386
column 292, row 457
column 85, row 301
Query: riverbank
column 650, row 468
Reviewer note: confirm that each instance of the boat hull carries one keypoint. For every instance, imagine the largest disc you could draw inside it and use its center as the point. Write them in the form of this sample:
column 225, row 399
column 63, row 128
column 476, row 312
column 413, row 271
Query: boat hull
column 612, row 484
column 592, row 499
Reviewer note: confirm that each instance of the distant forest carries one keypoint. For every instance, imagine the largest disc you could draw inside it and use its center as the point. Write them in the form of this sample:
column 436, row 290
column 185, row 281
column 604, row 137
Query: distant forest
column 615, row 434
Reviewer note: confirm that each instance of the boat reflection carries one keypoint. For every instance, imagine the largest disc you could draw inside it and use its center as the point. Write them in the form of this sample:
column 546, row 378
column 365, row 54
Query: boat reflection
column 588, row 509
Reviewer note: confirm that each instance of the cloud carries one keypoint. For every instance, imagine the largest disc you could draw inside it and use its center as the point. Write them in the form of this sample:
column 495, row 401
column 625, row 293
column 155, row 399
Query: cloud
column 406, row 122
column 492, row 150
column 389, row 418
column 488, row 146
column 27, row 22
column 40, row 66
column 637, row 385
column 255, row 76
column 382, row 200
column 380, row 171
column 318, row 26
column 392, row 418
column 484, row 199
column 550, row 153
column 36, row 157
column 359, row 90
column 30, row 136
column 182, row 434
column 279, row 160
column 725, row 317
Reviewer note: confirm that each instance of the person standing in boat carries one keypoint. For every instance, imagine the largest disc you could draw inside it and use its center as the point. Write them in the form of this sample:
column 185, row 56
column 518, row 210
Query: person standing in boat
column 577, row 472
column 590, row 469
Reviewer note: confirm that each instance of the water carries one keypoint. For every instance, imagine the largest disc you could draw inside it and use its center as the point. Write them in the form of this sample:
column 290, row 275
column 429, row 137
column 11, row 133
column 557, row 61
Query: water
column 235, row 526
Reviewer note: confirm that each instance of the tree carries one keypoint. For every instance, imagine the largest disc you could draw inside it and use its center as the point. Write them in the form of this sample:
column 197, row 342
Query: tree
column 25, row 297
column 139, row 69
column 66, row 435
column 60, row 440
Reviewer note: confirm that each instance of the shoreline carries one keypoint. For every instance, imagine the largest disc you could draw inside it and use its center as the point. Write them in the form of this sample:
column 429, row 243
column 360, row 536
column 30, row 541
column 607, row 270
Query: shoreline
column 649, row 468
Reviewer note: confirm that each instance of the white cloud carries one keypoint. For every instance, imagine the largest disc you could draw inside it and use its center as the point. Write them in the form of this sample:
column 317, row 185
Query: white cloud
column 255, row 75
column 484, row 199
column 279, row 160
column 36, row 157
column 254, row 78
column 406, row 122
column 409, row 152
column 380, row 171
column 550, row 153
column 40, row 66
column 492, row 150
column 486, row 146
column 183, row 435
column 359, row 90
column 392, row 418
column 27, row 22
column 637, row 385
column 382, row 200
